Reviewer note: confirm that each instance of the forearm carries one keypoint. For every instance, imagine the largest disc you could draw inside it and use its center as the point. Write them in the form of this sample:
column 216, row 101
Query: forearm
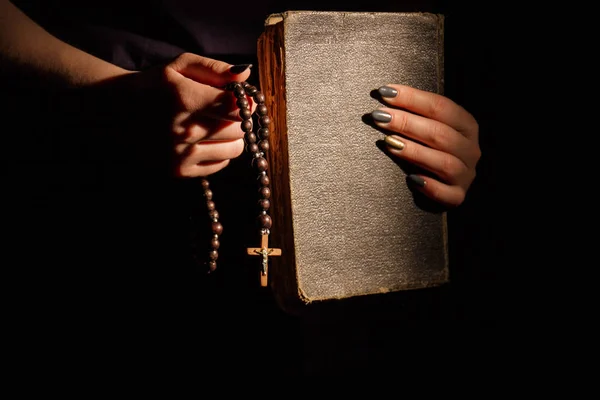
column 28, row 51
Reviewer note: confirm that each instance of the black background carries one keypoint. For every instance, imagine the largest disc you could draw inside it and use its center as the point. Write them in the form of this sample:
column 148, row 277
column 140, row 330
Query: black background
column 71, row 262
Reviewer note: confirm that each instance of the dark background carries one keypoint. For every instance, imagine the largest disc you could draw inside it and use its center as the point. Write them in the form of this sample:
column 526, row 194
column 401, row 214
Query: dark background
column 71, row 261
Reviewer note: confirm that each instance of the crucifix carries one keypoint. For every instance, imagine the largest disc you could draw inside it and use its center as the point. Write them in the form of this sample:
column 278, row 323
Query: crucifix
column 264, row 251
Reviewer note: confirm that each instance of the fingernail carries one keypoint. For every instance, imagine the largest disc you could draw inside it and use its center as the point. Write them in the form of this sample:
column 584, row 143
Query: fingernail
column 386, row 91
column 238, row 69
column 394, row 142
column 417, row 180
column 381, row 116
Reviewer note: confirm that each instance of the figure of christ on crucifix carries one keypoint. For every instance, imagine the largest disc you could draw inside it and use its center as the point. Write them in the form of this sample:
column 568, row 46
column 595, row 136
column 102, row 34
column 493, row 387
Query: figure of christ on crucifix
column 264, row 251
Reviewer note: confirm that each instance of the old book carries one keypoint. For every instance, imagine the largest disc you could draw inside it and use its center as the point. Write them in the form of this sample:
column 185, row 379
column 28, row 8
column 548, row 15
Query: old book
column 343, row 215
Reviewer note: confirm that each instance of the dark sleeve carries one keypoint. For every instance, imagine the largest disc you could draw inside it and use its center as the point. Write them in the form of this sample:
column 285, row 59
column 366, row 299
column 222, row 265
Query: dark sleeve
column 126, row 33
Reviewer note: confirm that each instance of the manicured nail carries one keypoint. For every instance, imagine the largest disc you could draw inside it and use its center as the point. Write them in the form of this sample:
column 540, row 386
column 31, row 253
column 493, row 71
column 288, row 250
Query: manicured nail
column 238, row 69
column 417, row 180
column 381, row 116
column 386, row 91
column 394, row 142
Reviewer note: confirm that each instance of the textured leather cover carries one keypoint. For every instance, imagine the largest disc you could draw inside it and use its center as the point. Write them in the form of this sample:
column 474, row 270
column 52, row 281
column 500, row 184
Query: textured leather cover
column 342, row 211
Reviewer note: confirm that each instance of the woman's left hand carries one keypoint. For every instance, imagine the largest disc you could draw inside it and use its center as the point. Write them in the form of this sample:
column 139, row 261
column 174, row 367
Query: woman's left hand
column 434, row 133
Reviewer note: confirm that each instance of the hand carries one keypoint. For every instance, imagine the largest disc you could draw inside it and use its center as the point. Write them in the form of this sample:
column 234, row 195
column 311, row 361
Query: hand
column 206, row 120
column 179, row 108
column 434, row 133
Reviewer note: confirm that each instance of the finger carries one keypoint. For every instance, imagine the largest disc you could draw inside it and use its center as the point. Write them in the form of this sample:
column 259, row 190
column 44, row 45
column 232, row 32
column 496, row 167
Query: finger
column 428, row 131
column 227, row 107
column 211, row 151
column 209, row 71
column 199, row 100
column 211, row 130
column 431, row 105
column 448, row 195
column 446, row 166
column 202, row 169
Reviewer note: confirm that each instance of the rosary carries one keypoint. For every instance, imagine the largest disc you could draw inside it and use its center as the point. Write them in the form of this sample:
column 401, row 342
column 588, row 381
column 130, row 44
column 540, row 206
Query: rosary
column 257, row 144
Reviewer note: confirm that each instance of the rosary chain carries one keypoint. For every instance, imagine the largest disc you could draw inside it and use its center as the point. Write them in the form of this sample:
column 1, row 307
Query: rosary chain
column 257, row 144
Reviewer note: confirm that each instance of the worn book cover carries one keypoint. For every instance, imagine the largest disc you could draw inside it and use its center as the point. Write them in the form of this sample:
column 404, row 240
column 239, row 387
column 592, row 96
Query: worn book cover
column 343, row 215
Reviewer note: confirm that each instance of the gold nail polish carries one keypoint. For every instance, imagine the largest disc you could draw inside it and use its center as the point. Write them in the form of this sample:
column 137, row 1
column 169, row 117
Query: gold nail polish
column 395, row 143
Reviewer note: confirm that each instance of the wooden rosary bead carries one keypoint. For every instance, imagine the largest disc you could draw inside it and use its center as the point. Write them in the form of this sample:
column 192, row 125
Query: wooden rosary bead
column 251, row 90
column 217, row 228
column 210, row 205
column 250, row 137
column 239, row 92
column 265, row 192
column 264, row 121
column 264, row 180
column 212, row 266
column 245, row 113
column 261, row 164
column 242, row 103
column 264, row 221
column 264, row 204
column 253, row 148
column 264, row 133
column 263, row 145
column 261, row 110
column 247, row 125
column 259, row 97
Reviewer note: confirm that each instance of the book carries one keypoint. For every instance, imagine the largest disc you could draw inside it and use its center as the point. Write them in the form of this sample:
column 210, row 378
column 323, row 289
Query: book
column 346, row 221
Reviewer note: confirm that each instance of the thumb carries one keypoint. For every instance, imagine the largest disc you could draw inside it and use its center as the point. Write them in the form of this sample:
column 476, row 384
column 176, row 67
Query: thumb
column 209, row 71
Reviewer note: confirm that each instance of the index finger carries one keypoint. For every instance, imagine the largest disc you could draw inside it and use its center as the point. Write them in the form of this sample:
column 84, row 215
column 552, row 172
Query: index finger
column 208, row 101
column 431, row 105
column 207, row 70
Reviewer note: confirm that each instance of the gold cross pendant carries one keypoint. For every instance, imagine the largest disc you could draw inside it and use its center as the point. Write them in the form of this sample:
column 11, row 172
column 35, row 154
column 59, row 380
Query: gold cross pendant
column 264, row 251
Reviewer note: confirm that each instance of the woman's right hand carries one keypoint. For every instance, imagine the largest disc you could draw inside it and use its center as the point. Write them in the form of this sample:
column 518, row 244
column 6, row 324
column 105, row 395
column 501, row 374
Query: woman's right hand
column 205, row 123
column 182, row 106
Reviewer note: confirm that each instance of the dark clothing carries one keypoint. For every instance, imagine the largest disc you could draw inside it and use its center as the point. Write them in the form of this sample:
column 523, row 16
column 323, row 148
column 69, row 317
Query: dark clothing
column 122, row 246
column 136, row 35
